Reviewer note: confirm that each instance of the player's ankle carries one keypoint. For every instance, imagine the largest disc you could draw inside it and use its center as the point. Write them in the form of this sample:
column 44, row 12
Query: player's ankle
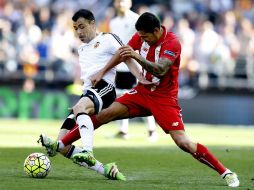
column 227, row 171
column 60, row 145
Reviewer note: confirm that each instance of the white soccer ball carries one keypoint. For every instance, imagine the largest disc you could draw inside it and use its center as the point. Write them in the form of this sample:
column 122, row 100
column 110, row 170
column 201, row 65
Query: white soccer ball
column 37, row 165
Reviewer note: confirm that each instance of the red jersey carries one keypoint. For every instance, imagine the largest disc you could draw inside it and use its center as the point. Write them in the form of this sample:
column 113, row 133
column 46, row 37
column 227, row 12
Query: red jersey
column 167, row 46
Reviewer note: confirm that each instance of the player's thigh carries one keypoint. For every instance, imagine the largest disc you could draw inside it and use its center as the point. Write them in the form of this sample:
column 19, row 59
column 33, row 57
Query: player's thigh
column 84, row 105
column 136, row 104
column 102, row 95
column 168, row 117
column 115, row 111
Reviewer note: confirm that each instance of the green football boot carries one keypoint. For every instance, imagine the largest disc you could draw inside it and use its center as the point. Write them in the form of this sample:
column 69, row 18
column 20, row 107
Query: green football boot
column 50, row 145
column 84, row 156
column 111, row 172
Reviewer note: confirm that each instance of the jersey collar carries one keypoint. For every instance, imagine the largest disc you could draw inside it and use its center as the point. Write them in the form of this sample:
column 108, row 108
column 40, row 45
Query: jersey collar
column 96, row 37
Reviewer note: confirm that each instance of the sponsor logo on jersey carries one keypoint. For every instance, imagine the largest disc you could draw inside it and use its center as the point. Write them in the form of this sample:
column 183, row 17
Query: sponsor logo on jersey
column 175, row 124
column 96, row 44
column 170, row 53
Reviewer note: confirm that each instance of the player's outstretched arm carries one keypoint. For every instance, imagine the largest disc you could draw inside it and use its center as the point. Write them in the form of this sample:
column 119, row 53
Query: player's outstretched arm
column 115, row 60
column 136, row 71
column 159, row 69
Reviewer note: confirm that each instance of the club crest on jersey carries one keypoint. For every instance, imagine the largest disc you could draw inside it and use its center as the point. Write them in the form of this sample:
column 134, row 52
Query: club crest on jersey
column 145, row 49
column 96, row 44
column 167, row 52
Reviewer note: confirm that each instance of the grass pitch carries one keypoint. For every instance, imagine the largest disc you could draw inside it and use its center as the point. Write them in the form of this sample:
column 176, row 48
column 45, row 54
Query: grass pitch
column 148, row 166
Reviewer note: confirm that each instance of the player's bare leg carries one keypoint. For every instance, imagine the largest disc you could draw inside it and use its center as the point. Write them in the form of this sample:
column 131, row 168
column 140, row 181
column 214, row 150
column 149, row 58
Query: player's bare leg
column 151, row 124
column 84, row 107
column 109, row 170
column 116, row 110
column 55, row 146
column 202, row 154
column 123, row 129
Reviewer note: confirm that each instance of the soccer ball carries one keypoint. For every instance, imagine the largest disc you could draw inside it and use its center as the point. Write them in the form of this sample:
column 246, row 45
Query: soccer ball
column 37, row 165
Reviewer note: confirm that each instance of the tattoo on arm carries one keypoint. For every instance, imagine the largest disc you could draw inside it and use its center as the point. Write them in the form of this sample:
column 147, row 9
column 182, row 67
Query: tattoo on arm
column 157, row 69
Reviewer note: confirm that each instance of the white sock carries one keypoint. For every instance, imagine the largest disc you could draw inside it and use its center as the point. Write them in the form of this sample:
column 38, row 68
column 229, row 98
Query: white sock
column 60, row 145
column 151, row 123
column 124, row 125
column 86, row 131
column 98, row 167
column 226, row 172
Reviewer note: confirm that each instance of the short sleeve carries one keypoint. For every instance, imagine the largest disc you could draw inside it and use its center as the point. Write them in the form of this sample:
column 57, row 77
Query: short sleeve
column 135, row 42
column 171, row 50
column 114, row 43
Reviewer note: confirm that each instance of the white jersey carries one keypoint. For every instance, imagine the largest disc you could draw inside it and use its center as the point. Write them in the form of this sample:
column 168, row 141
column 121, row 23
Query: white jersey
column 93, row 56
column 124, row 27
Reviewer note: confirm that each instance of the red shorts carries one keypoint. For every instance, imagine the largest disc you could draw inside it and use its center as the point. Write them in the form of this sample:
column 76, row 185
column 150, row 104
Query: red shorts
column 165, row 110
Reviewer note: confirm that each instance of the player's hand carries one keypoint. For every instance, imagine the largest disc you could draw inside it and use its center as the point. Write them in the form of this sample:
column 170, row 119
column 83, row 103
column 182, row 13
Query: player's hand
column 127, row 52
column 96, row 78
column 142, row 80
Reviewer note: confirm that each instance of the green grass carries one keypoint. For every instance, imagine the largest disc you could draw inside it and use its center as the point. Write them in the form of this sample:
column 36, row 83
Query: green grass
column 148, row 166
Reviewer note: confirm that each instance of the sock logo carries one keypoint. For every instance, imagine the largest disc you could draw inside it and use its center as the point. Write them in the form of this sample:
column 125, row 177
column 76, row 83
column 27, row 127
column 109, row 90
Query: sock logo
column 83, row 126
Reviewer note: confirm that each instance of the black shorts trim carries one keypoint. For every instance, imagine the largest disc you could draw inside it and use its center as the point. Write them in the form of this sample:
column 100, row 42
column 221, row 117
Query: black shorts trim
column 102, row 95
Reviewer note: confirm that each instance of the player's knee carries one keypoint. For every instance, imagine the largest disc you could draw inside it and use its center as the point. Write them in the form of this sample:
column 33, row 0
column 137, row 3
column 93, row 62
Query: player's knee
column 83, row 106
column 85, row 110
column 78, row 108
column 186, row 146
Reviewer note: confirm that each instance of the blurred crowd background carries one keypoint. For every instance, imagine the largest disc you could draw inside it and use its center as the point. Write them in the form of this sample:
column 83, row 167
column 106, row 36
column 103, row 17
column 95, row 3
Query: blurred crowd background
column 37, row 43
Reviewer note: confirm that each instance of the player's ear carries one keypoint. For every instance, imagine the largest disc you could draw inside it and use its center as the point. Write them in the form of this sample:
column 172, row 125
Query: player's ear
column 92, row 22
column 156, row 30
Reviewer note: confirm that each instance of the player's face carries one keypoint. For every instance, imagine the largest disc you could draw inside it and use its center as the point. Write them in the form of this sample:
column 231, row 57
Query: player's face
column 85, row 29
column 122, row 5
column 148, row 37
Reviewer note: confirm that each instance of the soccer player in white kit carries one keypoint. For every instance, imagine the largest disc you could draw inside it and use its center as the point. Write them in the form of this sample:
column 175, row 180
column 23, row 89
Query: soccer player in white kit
column 94, row 53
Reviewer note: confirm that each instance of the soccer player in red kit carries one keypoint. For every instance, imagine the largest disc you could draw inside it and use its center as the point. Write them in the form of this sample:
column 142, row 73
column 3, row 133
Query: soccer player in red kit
column 159, row 55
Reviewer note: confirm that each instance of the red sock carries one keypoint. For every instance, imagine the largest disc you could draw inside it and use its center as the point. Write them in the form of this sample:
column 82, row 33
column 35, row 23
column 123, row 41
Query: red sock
column 95, row 121
column 206, row 157
column 71, row 137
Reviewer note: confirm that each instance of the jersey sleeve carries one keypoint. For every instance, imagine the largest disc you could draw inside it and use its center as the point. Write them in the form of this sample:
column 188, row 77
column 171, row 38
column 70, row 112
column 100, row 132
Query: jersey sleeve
column 114, row 43
column 171, row 50
column 135, row 42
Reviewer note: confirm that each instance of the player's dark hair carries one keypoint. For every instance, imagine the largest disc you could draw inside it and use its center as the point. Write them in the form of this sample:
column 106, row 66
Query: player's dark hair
column 83, row 13
column 147, row 22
